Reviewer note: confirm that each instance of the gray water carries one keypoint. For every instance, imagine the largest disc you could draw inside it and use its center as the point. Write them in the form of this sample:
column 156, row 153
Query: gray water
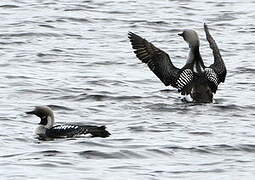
column 75, row 57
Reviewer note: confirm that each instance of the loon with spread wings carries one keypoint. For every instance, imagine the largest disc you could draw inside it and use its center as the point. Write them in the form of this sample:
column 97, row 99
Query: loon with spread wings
column 194, row 78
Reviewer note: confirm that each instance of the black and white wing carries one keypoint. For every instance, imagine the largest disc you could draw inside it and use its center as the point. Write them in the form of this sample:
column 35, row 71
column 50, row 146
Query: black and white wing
column 184, row 81
column 218, row 67
column 159, row 63
column 65, row 131
column 69, row 130
column 212, row 78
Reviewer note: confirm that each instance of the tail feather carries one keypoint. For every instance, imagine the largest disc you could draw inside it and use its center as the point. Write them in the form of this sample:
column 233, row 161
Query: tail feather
column 98, row 131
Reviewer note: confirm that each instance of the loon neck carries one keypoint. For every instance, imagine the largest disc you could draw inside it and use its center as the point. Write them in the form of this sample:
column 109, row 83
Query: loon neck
column 196, row 53
column 47, row 122
column 195, row 59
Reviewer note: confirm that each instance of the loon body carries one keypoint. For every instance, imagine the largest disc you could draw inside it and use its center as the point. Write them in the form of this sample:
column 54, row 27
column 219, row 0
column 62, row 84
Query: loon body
column 194, row 78
column 46, row 128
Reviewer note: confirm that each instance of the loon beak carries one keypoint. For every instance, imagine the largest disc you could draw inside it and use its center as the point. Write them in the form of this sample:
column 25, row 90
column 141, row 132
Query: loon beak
column 30, row 112
column 180, row 34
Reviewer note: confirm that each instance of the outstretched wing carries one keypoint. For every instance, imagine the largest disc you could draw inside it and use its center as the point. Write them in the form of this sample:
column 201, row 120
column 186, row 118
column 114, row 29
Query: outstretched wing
column 218, row 66
column 158, row 61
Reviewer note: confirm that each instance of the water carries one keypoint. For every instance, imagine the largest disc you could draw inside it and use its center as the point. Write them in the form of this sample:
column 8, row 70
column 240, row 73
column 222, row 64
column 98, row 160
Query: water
column 75, row 56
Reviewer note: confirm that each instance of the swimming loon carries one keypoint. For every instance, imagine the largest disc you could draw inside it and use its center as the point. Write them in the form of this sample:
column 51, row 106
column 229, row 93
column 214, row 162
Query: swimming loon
column 194, row 78
column 46, row 128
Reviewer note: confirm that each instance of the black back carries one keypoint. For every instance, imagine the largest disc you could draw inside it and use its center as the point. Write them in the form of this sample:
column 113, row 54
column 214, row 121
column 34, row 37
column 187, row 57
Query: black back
column 69, row 130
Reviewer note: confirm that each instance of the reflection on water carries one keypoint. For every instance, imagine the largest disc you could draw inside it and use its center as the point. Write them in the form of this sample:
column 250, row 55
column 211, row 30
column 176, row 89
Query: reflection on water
column 76, row 57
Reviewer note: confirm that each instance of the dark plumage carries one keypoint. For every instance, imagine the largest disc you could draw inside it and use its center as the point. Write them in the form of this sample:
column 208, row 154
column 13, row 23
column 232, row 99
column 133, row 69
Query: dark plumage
column 194, row 77
column 46, row 128
column 70, row 130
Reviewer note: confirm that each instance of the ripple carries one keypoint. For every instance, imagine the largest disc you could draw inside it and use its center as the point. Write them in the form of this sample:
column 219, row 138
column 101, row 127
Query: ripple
column 27, row 34
column 11, row 155
column 74, row 19
column 137, row 128
column 247, row 147
column 48, row 152
column 57, row 107
column 12, row 43
column 46, row 26
column 9, row 6
column 215, row 149
column 162, row 107
column 246, row 70
column 229, row 107
column 122, row 154
column 91, row 144
column 100, row 97
column 17, row 77
column 200, row 133
column 160, row 152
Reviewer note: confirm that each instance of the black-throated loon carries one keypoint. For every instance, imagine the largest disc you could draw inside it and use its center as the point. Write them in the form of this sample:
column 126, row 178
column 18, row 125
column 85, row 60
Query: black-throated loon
column 46, row 128
column 194, row 78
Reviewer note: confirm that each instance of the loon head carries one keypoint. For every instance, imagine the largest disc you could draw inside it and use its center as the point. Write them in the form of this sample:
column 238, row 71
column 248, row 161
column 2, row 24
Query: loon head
column 191, row 37
column 46, row 115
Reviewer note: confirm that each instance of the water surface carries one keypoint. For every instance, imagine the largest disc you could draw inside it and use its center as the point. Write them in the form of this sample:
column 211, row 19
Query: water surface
column 76, row 57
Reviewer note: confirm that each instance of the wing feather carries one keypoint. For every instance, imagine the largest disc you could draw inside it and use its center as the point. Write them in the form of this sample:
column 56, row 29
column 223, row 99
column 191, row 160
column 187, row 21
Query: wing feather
column 158, row 61
column 211, row 76
column 218, row 66
column 65, row 131
column 70, row 130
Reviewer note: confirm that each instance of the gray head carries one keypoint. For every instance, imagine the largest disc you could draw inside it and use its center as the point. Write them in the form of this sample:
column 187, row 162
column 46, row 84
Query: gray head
column 191, row 37
column 46, row 115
